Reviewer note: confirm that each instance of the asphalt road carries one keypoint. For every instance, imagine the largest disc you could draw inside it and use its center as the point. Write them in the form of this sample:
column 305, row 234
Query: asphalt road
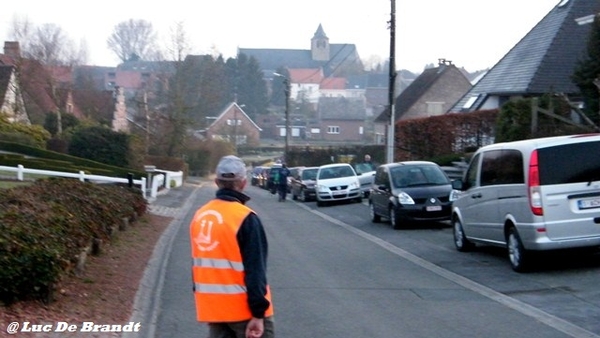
column 335, row 274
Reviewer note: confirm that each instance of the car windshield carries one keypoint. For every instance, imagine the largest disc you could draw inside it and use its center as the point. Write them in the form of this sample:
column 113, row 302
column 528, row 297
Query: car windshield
column 336, row 172
column 310, row 174
column 408, row 176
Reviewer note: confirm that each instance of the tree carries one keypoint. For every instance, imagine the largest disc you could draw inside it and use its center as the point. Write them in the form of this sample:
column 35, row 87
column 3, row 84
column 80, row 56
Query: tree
column 48, row 43
column 587, row 74
column 251, row 88
column 132, row 40
column 51, row 122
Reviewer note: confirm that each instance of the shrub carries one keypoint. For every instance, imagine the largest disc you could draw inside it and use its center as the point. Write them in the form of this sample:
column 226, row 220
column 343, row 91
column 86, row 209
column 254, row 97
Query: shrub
column 45, row 226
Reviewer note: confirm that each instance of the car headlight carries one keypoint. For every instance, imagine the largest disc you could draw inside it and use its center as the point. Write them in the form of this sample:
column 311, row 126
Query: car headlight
column 404, row 198
column 322, row 188
column 454, row 195
column 354, row 185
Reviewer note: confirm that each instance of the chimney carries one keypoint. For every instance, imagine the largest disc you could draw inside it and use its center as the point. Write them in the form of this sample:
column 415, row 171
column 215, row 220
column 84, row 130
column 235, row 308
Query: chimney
column 12, row 49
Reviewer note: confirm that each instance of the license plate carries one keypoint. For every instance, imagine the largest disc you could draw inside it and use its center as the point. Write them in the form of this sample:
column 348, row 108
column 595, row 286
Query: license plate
column 337, row 193
column 434, row 208
column 589, row 204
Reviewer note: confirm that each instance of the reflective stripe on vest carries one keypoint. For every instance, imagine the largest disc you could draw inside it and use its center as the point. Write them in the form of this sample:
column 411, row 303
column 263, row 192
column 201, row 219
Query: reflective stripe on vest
column 220, row 288
column 218, row 264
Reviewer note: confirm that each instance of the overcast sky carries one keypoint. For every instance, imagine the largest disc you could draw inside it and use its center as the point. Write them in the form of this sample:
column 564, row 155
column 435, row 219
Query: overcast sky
column 472, row 34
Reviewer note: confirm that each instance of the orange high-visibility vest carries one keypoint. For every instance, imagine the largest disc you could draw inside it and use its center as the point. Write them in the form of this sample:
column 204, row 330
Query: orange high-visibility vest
column 218, row 270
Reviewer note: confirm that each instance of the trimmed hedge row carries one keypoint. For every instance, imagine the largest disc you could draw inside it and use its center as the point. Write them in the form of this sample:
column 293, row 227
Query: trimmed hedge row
column 45, row 226
column 96, row 168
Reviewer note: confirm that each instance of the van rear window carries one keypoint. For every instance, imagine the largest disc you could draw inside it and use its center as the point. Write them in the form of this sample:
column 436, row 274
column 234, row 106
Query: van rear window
column 569, row 163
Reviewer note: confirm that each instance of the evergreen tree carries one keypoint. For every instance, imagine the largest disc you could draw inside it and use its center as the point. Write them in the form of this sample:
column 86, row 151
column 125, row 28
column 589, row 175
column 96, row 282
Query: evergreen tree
column 587, row 72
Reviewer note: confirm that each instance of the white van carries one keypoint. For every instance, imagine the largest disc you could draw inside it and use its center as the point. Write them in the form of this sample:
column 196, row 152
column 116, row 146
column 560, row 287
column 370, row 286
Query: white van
column 531, row 195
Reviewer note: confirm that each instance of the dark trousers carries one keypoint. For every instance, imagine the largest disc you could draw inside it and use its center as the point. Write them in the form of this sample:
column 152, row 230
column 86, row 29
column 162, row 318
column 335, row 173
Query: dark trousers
column 282, row 190
column 238, row 329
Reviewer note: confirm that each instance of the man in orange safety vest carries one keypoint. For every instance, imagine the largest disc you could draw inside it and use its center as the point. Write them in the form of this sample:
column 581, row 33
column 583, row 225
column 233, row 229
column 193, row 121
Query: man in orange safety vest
column 229, row 260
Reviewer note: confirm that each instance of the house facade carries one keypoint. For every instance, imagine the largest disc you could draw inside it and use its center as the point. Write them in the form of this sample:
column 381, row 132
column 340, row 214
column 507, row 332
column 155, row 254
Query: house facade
column 12, row 105
column 235, row 126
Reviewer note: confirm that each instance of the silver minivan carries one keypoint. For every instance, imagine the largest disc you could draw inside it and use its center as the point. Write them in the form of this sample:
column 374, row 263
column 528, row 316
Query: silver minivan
column 531, row 195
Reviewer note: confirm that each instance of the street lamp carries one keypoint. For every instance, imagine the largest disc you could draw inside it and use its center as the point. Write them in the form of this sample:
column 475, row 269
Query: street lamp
column 392, row 80
column 286, row 83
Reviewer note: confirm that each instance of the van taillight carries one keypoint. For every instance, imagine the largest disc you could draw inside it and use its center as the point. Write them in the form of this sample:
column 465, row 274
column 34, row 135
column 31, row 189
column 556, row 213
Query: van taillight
column 533, row 183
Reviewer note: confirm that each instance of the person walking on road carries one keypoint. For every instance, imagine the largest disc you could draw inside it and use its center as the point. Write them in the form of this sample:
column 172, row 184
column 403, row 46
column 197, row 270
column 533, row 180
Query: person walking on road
column 229, row 253
column 282, row 182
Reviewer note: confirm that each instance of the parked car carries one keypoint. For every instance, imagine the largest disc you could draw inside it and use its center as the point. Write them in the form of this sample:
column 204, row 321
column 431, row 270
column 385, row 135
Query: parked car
column 303, row 184
column 293, row 172
column 255, row 176
column 531, row 195
column 366, row 176
column 263, row 178
column 337, row 182
column 411, row 191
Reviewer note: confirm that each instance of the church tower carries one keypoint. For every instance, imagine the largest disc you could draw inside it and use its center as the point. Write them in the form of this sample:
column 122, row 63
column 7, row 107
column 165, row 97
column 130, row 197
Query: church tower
column 320, row 45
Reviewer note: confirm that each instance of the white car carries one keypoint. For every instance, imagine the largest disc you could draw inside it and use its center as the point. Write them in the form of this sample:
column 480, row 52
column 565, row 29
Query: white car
column 366, row 176
column 337, row 182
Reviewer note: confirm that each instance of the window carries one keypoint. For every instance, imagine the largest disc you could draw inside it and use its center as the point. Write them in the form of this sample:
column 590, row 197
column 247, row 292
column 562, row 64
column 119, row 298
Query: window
column 333, row 129
column 361, row 130
column 472, row 173
column 502, row 167
column 470, row 101
column 231, row 122
column 315, row 130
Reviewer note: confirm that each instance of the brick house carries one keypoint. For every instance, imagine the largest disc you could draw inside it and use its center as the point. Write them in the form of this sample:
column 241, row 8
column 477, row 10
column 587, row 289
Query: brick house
column 234, row 124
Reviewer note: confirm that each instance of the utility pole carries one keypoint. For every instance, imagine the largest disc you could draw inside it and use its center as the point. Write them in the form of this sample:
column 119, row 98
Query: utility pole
column 392, row 115
column 286, row 83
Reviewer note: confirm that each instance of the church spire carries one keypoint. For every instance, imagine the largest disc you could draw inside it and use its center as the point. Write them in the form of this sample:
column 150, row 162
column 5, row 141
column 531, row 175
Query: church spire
column 320, row 45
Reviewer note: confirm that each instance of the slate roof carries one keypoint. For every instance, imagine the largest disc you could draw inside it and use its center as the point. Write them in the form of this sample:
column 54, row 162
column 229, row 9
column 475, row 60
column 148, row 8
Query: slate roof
column 272, row 59
column 542, row 61
column 341, row 108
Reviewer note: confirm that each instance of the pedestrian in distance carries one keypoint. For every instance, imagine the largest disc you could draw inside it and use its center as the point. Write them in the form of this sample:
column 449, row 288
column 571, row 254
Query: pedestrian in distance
column 282, row 184
column 229, row 260
column 369, row 162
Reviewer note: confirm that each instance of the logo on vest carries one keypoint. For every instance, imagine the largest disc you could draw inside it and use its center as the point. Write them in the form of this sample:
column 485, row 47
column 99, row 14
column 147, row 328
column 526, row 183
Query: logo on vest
column 204, row 240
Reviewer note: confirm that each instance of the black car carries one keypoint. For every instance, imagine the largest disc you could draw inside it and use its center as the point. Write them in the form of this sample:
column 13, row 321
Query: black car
column 411, row 191
column 303, row 184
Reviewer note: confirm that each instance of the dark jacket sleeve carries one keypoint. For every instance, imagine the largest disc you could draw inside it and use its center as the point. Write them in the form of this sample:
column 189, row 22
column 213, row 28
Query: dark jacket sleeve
column 254, row 249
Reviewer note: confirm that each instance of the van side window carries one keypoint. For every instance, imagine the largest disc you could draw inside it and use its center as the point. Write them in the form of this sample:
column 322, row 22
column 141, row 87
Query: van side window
column 511, row 169
column 502, row 167
column 472, row 173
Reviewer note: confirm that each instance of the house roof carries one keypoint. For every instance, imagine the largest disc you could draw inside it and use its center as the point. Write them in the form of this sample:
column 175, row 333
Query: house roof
column 542, row 61
column 228, row 108
column 341, row 108
column 306, row 75
column 333, row 83
column 5, row 75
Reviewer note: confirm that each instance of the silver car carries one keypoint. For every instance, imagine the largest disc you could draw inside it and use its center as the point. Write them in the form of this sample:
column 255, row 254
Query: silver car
column 531, row 195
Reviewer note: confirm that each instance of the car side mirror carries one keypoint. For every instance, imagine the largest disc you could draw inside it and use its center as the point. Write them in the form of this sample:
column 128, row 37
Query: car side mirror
column 457, row 184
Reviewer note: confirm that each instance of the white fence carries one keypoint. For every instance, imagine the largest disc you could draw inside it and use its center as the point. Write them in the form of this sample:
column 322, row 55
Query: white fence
column 166, row 178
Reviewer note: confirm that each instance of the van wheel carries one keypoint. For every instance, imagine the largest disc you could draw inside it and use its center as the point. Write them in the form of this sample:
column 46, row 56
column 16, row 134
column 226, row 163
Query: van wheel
column 460, row 239
column 518, row 256
column 374, row 217
column 393, row 219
